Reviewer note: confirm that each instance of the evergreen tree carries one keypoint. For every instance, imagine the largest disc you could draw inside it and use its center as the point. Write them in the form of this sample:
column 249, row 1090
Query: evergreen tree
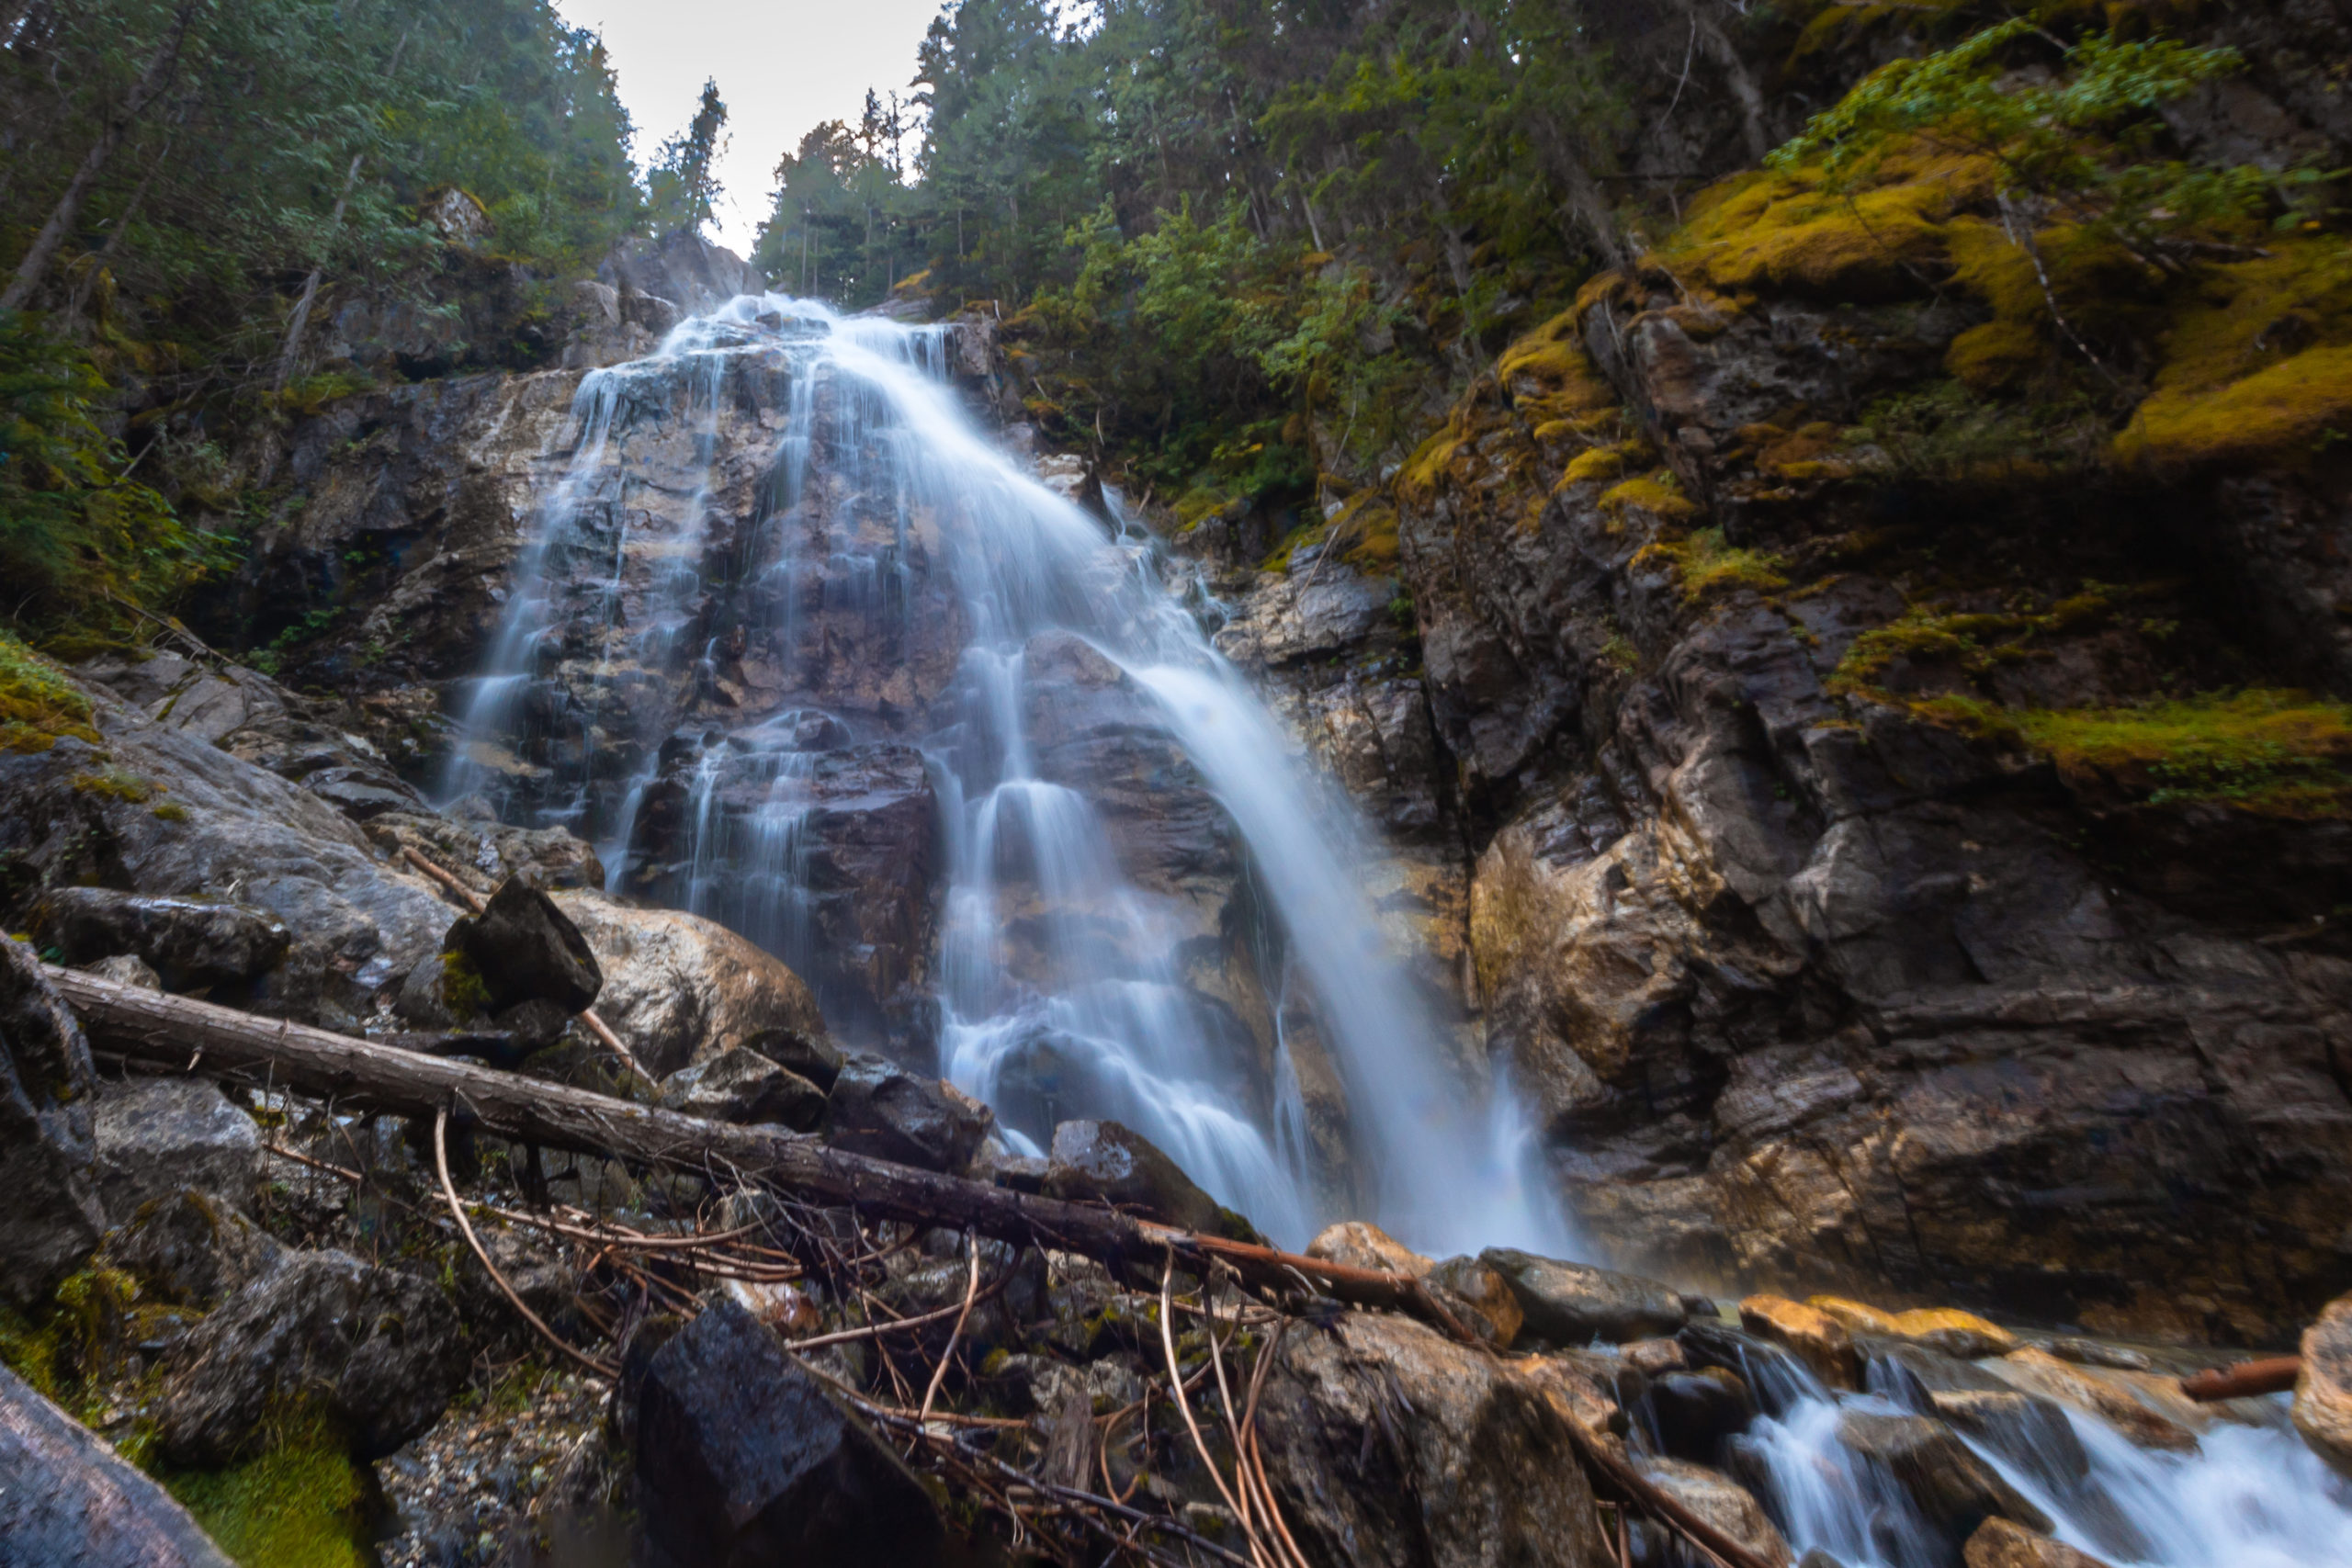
column 685, row 192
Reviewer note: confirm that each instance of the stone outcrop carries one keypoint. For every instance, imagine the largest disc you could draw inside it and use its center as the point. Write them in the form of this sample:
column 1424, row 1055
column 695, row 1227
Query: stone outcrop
column 156, row 1136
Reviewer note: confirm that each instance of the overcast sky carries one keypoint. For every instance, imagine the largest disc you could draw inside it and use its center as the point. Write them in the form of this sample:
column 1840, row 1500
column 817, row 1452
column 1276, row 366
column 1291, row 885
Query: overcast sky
column 782, row 66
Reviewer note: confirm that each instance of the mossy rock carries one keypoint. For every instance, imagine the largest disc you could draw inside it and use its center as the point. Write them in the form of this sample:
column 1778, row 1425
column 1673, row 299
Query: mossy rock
column 302, row 1502
column 39, row 705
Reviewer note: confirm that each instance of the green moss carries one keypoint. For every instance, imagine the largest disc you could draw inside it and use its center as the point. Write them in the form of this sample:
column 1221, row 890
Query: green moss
column 37, row 703
column 462, row 987
column 118, row 783
column 169, row 811
column 2272, row 752
column 302, row 1502
column 69, row 1345
column 1709, row 565
column 1659, row 494
column 1600, row 463
column 2282, row 412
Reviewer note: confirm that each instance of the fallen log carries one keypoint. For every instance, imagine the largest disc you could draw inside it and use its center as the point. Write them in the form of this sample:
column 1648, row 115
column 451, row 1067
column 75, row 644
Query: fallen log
column 181, row 1034
column 2245, row 1380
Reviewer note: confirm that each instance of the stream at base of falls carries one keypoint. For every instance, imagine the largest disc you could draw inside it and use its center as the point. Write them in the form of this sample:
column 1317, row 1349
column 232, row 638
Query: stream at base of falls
column 1054, row 965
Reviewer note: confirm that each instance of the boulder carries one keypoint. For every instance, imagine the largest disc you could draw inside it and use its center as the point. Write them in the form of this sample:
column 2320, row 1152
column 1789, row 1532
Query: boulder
column 1723, row 1503
column 191, row 942
column 66, row 1497
column 1392, row 1446
column 1694, row 1414
column 1479, row 1293
column 127, row 969
column 380, row 1346
column 1998, row 1544
column 2323, row 1389
column 1573, row 1303
column 1105, row 1162
column 191, row 1250
column 1361, row 1245
column 524, row 949
column 742, row 1459
column 880, row 1109
column 1947, row 1329
column 52, row 1217
column 1953, row 1489
column 1815, row 1338
column 158, row 1135
column 811, row 1055
column 678, row 988
column 2037, row 1371
column 1654, row 1358
column 2026, row 1430
column 743, row 1086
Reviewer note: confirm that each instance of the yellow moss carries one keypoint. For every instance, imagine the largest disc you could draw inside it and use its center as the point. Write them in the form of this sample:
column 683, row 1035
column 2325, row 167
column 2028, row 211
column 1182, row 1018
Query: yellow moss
column 1708, row 565
column 1600, row 463
column 1996, row 355
column 169, row 811
column 2259, row 369
column 302, row 1502
column 462, row 987
column 37, row 703
column 1781, row 231
column 1554, row 360
column 1658, row 494
column 1374, row 531
column 118, row 783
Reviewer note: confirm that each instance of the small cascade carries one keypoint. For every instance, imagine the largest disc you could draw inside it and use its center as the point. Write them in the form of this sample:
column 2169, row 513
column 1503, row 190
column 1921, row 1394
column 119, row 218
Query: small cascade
column 892, row 595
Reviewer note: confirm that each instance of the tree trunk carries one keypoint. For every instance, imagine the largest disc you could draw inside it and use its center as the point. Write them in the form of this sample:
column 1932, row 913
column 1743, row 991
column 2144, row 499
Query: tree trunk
column 35, row 266
column 184, row 1035
column 301, row 316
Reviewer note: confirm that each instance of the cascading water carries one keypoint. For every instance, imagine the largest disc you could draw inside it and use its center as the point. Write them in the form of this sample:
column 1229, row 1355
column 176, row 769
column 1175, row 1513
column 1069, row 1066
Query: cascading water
column 1058, row 982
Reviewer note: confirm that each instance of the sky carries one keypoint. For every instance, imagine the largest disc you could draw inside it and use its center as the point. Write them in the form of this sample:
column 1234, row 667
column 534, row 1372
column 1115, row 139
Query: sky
column 782, row 66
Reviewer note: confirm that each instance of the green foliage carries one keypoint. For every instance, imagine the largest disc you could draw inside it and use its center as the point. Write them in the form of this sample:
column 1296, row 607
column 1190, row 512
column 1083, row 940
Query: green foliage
column 80, row 540
column 2085, row 141
column 685, row 191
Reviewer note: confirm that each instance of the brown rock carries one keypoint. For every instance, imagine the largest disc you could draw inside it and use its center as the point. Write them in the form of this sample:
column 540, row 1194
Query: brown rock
column 1997, row 1543
column 2037, row 1372
column 1947, row 1329
column 1955, row 1490
column 2324, row 1390
column 1361, row 1245
column 1469, row 1282
column 1816, row 1338
column 1652, row 1357
column 1723, row 1503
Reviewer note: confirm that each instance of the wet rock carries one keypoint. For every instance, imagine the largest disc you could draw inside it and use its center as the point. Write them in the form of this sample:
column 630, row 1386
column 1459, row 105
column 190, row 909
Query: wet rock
column 1952, row 1332
column 52, row 1217
column 1479, row 1293
column 1818, row 1339
column 380, row 1346
column 1696, row 1412
column 1003, row 1167
column 483, row 854
column 157, row 1136
column 1998, row 1544
column 743, row 1460
column 66, row 1497
column 2037, row 1371
column 2020, row 1428
column 880, row 1109
column 1361, row 1245
column 127, row 969
column 743, row 1086
column 191, row 942
column 2323, row 1407
column 678, row 988
column 813, row 1056
column 2095, row 1353
column 1723, row 1503
column 191, row 1250
column 524, row 948
column 1105, row 1162
column 1390, row 1445
column 1954, row 1490
column 1573, row 1304
column 1653, row 1357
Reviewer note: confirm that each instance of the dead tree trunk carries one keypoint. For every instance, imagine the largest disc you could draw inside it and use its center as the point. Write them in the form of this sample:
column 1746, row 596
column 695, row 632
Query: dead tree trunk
column 160, row 66
column 184, row 1035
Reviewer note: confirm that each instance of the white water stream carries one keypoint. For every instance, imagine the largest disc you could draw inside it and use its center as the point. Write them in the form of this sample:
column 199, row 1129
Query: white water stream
column 1448, row 1164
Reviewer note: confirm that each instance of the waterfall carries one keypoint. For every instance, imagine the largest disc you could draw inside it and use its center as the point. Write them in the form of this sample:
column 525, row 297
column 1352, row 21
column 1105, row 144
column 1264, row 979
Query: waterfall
column 1060, row 979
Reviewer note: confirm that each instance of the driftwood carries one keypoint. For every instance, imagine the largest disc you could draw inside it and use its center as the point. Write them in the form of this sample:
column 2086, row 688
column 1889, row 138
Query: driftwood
column 186, row 1035
column 2244, row 1380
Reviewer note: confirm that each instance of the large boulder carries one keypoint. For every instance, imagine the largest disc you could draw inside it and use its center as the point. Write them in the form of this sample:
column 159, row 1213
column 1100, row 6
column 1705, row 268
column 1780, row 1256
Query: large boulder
column 880, row 1109
column 743, row 1086
column 1480, row 1295
column 158, row 1135
column 1954, row 1491
column 1392, row 1446
column 1815, row 1338
column 52, row 1216
column 678, row 989
column 380, row 1346
column 1105, row 1162
column 1694, row 1414
column 743, row 1460
column 66, row 1497
column 2324, row 1388
column 1575, row 1303
column 2094, row 1393
column 525, row 949
column 1723, row 1503
column 191, row 942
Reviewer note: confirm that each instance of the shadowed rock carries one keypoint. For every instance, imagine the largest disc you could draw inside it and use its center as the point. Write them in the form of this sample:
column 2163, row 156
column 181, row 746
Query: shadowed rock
column 65, row 1497
column 51, row 1218
column 1111, row 1164
column 743, row 1460
column 191, row 942
column 526, row 949
column 157, row 1136
column 1954, row 1490
column 879, row 1107
column 743, row 1086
